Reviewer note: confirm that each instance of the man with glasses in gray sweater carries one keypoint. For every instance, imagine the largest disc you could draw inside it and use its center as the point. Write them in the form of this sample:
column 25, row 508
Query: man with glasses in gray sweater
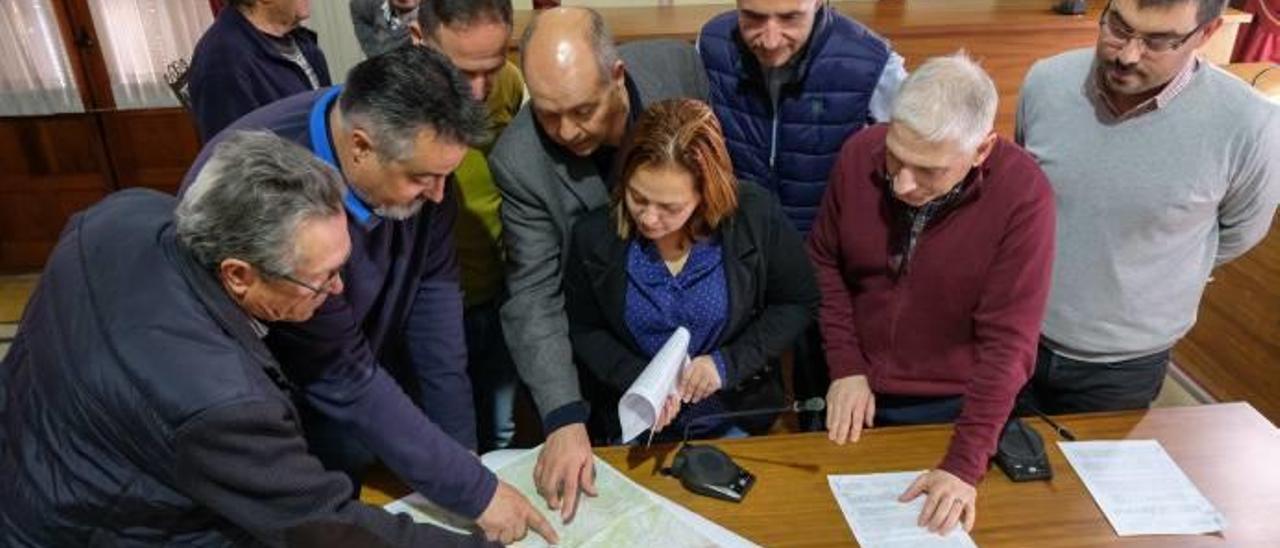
column 1163, row 167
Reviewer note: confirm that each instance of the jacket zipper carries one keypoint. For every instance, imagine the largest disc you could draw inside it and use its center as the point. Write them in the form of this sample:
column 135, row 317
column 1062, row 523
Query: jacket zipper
column 773, row 140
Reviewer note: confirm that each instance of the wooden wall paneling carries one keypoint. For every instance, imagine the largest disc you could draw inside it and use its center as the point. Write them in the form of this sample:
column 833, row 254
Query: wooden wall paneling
column 50, row 167
column 1234, row 349
column 150, row 148
column 54, row 166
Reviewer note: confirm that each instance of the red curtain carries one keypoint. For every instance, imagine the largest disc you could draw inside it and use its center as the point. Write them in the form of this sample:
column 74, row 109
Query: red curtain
column 1259, row 41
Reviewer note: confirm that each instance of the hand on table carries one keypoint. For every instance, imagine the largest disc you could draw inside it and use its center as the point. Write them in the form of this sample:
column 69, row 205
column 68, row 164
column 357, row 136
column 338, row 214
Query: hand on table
column 949, row 501
column 850, row 405
column 564, row 466
column 509, row 516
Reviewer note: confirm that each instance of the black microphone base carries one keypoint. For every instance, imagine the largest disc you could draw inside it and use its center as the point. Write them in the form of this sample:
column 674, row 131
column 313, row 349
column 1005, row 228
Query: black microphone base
column 708, row 471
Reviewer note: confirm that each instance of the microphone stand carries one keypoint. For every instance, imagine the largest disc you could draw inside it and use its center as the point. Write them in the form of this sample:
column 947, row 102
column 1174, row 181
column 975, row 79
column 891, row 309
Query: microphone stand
column 811, row 404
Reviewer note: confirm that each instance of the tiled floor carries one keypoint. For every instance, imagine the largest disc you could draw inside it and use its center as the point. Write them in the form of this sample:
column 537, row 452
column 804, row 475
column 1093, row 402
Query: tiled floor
column 1174, row 395
column 14, row 291
column 7, row 331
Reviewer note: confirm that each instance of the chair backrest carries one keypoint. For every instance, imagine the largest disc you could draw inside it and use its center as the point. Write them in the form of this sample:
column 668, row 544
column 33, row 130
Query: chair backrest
column 175, row 74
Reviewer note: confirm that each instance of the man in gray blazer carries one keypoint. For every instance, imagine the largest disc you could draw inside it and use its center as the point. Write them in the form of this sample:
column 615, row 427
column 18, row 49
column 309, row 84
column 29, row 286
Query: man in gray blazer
column 552, row 165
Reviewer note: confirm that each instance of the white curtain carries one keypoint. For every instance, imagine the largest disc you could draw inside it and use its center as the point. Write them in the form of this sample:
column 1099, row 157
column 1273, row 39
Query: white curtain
column 331, row 19
column 142, row 37
column 35, row 73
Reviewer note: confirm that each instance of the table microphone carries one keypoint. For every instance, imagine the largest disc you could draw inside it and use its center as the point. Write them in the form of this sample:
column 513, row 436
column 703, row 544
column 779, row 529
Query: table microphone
column 1060, row 429
column 1020, row 453
column 708, row 471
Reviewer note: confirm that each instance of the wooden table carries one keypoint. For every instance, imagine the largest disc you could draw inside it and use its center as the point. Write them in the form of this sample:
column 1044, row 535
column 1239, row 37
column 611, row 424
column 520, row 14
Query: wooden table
column 1229, row 451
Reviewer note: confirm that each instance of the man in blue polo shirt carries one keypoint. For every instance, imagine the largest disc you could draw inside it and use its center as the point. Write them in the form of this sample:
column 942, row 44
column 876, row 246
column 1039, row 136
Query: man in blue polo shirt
column 395, row 131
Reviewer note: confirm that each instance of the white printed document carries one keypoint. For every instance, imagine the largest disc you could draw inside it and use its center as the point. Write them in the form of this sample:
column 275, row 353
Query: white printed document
column 638, row 409
column 623, row 515
column 870, row 505
column 1140, row 489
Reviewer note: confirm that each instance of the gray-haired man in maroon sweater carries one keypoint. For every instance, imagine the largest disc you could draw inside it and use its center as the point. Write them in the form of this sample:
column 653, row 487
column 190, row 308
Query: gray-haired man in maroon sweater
column 933, row 251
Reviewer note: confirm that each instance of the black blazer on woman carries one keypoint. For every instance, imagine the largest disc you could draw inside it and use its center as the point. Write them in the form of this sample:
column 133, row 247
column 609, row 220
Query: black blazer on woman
column 772, row 299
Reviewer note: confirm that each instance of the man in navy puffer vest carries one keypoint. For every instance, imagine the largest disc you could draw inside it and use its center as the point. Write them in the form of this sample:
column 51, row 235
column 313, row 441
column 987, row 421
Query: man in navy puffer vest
column 790, row 81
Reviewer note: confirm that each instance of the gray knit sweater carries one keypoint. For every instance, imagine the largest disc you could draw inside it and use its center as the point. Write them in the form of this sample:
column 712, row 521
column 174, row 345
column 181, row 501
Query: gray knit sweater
column 1146, row 206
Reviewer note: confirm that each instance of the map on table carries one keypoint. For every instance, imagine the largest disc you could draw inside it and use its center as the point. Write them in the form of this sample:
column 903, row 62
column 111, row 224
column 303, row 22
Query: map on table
column 624, row 514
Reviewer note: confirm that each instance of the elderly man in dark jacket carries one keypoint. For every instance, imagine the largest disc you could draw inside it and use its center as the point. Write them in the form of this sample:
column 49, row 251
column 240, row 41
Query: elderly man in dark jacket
column 140, row 406
column 396, row 130
column 253, row 54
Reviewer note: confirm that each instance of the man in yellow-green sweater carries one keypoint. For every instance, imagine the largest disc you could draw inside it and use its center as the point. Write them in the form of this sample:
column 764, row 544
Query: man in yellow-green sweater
column 474, row 35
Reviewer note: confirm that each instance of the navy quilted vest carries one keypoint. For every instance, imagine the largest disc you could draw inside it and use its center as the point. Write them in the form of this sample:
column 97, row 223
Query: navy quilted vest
column 791, row 153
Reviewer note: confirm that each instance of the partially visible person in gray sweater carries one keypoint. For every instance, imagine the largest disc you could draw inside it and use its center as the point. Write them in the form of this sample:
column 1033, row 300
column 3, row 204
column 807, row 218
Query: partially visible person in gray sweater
column 382, row 25
column 1164, row 167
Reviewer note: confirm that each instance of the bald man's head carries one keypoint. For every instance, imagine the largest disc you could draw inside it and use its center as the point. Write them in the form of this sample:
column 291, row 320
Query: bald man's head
column 576, row 81
column 581, row 27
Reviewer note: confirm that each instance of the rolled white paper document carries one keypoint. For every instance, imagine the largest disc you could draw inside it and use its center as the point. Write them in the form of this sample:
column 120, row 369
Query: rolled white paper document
column 639, row 406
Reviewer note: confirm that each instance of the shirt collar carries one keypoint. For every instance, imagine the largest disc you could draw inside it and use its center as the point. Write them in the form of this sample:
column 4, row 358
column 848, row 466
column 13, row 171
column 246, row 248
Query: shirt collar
column 1160, row 100
column 933, row 207
column 322, row 147
column 396, row 20
column 647, row 267
column 260, row 329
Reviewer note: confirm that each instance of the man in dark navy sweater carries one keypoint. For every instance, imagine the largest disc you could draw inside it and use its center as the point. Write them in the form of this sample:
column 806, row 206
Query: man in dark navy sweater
column 254, row 53
column 396, row 131
column 933, row 250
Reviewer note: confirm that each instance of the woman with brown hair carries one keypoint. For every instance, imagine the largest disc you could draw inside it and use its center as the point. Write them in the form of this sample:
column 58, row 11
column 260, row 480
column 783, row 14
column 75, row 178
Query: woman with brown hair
column 685, row 245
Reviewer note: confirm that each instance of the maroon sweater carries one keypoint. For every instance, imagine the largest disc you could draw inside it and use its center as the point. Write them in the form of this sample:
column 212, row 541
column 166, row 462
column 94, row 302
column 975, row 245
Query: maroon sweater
column 965, row 316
